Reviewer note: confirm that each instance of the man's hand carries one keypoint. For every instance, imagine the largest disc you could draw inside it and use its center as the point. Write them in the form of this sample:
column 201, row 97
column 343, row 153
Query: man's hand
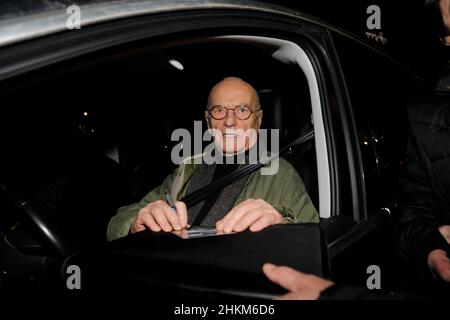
column 159, row 216
column 301, row 286
column 253, row 214
column 440, row 264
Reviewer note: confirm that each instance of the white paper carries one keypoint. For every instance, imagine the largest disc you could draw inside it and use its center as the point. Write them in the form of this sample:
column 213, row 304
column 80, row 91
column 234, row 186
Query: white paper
column 197, row 232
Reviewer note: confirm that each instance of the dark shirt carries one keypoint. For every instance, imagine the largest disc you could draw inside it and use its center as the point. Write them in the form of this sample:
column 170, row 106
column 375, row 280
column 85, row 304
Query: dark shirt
column 220, row 171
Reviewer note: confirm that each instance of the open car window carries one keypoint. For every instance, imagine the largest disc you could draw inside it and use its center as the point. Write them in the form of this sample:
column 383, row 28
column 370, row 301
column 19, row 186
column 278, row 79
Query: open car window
column 117, row 109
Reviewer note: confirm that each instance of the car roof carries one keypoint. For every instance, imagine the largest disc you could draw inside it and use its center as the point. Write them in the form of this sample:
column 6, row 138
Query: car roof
column 22, row 20
column 27, row 19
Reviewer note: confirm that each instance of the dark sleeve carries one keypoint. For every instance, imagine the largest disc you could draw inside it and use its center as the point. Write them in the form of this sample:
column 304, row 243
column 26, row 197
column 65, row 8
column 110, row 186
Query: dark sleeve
column 342, row 292
column 420, row 215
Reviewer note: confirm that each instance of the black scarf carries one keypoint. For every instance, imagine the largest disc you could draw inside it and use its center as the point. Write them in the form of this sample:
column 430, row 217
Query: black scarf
column 215, row 207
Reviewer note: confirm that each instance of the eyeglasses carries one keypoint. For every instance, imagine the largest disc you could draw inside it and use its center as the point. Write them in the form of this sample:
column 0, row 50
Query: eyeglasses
column 241, row 112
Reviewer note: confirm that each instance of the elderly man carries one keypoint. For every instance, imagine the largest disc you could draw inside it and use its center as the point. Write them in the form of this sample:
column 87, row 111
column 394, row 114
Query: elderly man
column 253, row 202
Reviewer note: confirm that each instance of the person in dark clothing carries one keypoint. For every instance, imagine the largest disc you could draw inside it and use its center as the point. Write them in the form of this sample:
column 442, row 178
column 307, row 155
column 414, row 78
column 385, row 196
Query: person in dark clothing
column 423, row 226
column 423, row 229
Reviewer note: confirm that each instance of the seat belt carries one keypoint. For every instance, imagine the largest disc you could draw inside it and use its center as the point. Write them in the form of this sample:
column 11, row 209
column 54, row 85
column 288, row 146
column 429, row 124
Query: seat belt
column 201, row 194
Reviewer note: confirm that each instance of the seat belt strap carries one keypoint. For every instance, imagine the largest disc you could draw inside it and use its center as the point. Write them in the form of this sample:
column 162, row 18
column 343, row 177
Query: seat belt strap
column 216, row 186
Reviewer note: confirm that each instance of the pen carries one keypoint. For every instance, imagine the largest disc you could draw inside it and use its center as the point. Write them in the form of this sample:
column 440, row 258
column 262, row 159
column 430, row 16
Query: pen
column 170, row 202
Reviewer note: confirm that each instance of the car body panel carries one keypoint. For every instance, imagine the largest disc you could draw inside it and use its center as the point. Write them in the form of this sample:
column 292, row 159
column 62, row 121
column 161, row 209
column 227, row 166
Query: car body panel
column 43, row 40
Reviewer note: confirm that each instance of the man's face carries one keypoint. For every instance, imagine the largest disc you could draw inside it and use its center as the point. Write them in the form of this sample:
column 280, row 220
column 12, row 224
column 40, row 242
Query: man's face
column 233, row 135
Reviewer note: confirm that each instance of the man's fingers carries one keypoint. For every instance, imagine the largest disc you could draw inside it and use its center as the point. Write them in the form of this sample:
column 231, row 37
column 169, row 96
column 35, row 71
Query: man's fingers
column 159, row 215
column 255, row 214
column 137, row 226
column 182, row 213
column 286, row 277
column 161, row 219
column 236, row 214
column 261, row 223
column 138, row 223
column 220, row 224
column 149, row 222
column 249, row 219
column 172, row 217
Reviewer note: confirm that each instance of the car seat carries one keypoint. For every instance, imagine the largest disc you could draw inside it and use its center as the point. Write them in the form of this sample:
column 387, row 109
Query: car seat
column 293, row 119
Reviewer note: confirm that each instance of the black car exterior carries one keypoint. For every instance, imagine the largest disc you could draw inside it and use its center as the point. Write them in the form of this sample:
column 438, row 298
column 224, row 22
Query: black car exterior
column 357, row 97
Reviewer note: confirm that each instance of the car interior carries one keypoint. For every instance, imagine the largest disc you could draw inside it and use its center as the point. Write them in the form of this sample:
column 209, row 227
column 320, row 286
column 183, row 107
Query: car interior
column 91, row 134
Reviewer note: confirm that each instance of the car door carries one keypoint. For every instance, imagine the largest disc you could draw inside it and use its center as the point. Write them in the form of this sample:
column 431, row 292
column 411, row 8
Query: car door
column 346, row 172
column 110, row 28
column 376, row 91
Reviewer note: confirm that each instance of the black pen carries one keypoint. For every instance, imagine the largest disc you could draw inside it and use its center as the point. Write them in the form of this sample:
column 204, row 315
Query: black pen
column 170, row 202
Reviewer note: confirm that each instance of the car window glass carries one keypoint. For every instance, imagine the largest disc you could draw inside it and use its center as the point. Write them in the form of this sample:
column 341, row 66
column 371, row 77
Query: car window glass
column 379, row 92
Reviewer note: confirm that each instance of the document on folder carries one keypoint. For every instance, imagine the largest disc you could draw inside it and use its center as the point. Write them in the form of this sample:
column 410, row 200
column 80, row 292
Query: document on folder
column 197, row 232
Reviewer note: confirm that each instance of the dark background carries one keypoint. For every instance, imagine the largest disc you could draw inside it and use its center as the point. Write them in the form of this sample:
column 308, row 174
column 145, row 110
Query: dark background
column 411, row 29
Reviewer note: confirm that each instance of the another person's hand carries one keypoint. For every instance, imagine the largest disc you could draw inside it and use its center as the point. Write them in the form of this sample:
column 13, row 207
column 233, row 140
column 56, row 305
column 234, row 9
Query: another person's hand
column 439, row 262
column 301, row 286
column 445, row 231
column 158, row 215
column 252, row 214
column 444, row 8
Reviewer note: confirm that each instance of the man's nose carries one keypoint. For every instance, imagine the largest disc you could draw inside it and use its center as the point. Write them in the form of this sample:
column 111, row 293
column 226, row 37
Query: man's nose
column 230, row 119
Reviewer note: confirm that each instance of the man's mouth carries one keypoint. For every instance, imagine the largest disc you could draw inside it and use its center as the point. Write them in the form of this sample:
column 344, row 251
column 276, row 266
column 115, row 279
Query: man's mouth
column 229, row 135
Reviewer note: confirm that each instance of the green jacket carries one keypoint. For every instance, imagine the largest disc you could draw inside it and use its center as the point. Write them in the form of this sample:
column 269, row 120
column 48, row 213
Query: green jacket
column 284, row 190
